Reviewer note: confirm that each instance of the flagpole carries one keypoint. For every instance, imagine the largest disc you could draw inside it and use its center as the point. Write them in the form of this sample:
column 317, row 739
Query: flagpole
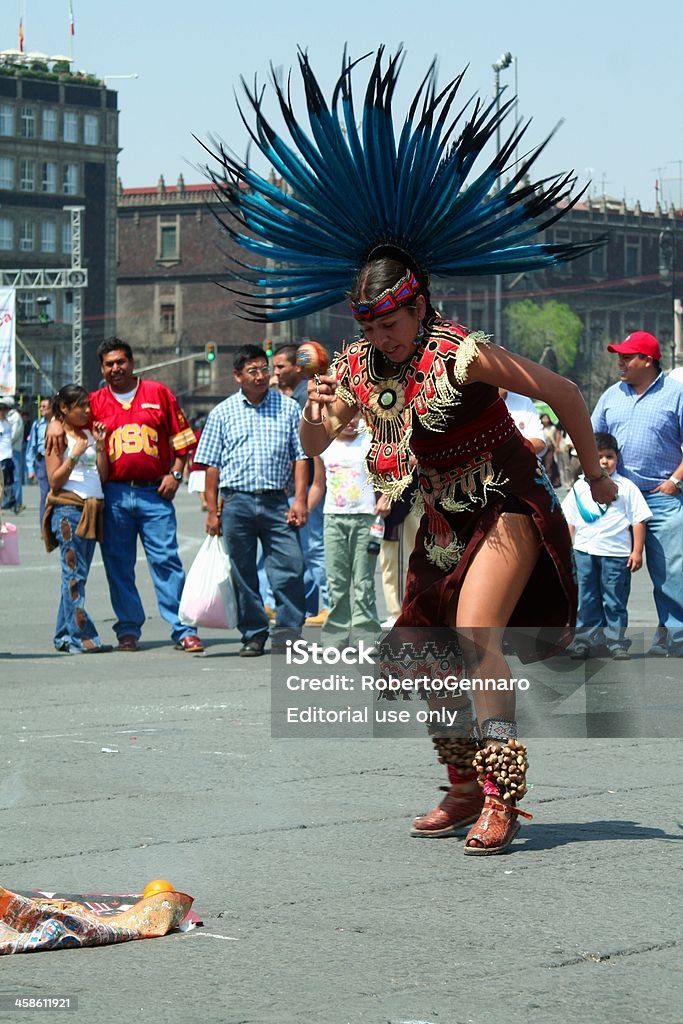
column 72, row 30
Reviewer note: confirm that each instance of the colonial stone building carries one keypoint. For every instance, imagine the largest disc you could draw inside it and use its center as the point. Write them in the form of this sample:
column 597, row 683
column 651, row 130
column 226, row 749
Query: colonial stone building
column 173, row 255
column 173, row 272
column 58, row 148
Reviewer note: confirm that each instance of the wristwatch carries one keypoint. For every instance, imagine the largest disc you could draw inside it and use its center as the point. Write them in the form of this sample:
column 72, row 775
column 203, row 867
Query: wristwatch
column 676, row 482
column 177, row 475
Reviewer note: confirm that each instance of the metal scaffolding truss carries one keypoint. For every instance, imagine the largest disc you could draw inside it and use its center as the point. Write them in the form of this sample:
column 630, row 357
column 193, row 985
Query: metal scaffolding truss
column 43, row 279
column 74, row 278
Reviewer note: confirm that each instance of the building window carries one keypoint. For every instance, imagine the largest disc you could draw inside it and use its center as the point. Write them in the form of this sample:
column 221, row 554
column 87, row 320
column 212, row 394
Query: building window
column 632, row 256
column 68, row 308
column 6, row 172
column 28, row 123
column 598, row 261
column 47, row 365
column 91, row 130
column 48, row 236
column 25, row 373
column 476, row 318
column 50, row 125
column 6, row 119
column 168, row 241
column 26, row 306
column 202, row 375
column 66, row 238
column 27, row 175
column 168, row 318
column 70, row 179
column 6, row 234
column 27, row 236
column 49, row 176
column 70, row 126
column 67, row 364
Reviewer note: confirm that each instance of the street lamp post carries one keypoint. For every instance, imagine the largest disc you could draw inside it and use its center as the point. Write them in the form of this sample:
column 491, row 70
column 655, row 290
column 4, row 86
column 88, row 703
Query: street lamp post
column 667, row 271
column 504, row 61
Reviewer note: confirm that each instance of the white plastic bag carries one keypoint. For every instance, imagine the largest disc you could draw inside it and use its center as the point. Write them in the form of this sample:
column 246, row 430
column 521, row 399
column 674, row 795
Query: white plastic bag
column 208, row 597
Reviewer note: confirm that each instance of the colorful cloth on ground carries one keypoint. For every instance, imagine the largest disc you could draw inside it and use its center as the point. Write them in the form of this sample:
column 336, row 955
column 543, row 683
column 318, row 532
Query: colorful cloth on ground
column 471, row 462
column 34, row 923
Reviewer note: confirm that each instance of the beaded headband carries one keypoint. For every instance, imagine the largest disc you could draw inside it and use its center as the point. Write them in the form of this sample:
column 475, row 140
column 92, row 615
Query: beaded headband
column 400, row 294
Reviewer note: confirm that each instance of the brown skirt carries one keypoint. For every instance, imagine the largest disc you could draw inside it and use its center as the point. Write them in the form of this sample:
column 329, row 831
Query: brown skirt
column 546, row 610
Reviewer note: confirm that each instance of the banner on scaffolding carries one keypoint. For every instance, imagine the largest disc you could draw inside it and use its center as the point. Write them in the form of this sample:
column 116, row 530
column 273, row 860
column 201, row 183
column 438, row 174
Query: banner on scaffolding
column 8, row 357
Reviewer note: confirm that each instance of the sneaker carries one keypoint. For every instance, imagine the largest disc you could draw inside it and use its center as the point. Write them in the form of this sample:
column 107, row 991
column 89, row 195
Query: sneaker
column 252, row 648
column 317, row 620
column 658, row 650
column 19, row 508
column 190, row 643
column 620, row 654
column 579, row 652
column 389, row 622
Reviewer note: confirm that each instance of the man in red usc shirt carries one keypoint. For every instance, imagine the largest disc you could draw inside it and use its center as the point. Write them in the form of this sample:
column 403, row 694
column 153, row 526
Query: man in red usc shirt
column 148, row 439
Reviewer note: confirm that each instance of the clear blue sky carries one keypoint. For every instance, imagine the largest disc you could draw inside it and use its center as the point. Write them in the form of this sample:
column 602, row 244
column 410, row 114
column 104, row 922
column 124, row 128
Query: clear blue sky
column 612, row 71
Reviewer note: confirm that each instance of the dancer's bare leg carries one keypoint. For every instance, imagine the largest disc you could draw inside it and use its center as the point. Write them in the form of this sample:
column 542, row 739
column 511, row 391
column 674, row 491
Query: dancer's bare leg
column 495, row 580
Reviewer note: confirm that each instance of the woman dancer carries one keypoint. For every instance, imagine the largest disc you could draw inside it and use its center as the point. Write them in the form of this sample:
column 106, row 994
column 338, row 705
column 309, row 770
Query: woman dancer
column 493, row 548
column 73, row 515
column 369, row 216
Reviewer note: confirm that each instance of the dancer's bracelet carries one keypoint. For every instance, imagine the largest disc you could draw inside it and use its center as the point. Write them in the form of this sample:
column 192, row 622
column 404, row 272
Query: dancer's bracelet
column 314, row 423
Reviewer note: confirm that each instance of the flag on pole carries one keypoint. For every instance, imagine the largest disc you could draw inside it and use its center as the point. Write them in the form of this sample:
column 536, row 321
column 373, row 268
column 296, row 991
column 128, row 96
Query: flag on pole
column 72, row 24
column 21, row 34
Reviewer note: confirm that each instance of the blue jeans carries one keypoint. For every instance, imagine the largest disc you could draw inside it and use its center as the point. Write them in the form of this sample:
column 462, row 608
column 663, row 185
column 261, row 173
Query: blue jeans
column 313, row 552
column 604, row 588
column 246, row 519
column 129, row 513
column 664, row 557
column 18, row 458
column 74, row 625
column 44, row 487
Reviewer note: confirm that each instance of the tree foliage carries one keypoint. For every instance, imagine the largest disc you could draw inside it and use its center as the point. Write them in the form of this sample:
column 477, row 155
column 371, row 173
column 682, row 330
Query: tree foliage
column 532, row 327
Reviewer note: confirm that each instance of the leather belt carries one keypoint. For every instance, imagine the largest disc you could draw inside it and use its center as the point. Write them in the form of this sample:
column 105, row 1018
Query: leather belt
column 137, row 483
column 235, row 490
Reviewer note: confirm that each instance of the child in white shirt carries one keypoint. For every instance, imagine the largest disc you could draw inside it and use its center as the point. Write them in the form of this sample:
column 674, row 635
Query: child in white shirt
column 608, row 547
column 348, row 513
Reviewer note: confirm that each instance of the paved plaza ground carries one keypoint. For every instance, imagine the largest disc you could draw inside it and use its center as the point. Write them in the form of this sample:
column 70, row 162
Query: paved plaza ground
column 318, row 907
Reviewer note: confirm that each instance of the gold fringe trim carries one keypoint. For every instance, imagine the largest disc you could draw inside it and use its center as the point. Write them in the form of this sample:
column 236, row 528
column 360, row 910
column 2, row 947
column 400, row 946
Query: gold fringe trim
column 468, row 350
column 436, row 417
column 346, row 396
column 444, row 557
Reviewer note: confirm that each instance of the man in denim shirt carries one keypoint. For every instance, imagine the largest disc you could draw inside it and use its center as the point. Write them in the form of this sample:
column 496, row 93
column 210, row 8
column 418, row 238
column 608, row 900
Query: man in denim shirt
column 644, row 412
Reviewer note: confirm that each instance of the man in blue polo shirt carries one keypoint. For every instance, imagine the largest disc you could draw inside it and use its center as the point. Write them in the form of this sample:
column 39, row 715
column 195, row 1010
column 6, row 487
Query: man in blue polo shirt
column 250, row 446
column 644, row 412
column 35, row 454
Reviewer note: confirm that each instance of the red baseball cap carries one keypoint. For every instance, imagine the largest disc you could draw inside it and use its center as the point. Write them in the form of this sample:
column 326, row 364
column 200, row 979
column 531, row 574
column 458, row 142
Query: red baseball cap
column 638, row 343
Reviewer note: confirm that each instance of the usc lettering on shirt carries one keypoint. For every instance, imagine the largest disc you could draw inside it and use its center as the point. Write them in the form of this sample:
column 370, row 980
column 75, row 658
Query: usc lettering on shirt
column 143, row 440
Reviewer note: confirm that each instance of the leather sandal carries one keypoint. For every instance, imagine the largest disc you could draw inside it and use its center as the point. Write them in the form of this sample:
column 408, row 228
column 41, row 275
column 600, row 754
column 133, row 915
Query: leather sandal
column 456, row 810
column 496, row 828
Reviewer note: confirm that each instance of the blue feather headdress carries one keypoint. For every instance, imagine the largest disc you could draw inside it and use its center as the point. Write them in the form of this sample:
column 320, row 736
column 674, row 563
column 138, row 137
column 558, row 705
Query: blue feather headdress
column 347, row 189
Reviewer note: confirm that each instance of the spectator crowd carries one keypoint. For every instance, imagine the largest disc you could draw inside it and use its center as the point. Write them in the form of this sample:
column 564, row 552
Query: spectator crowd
column 298, row 529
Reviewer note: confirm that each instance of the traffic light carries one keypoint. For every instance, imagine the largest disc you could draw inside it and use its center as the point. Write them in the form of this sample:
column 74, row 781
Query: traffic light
column 210, row 351
column 268, row 346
